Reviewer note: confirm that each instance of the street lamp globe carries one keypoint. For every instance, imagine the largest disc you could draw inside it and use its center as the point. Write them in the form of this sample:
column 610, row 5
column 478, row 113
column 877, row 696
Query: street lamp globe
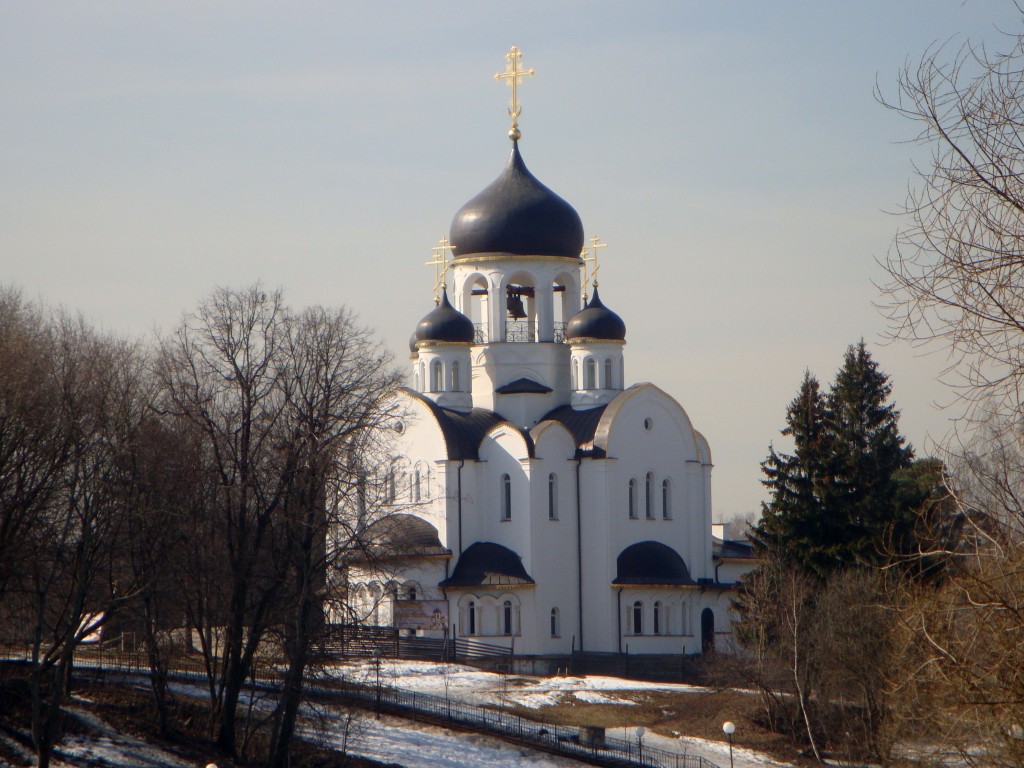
column 729, row 727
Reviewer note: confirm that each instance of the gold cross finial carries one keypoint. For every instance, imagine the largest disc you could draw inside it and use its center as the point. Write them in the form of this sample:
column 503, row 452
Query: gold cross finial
column 514, row 74
column 440, row 265
column 591, row 258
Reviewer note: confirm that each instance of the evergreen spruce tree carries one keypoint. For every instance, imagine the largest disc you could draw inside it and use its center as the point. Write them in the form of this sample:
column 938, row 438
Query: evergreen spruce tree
column 794, row 522
column 867, row 450
column 834, row 501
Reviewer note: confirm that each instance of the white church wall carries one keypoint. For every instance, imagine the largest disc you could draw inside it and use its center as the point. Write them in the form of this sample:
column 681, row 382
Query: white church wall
column 555, row 554
column 503, row 453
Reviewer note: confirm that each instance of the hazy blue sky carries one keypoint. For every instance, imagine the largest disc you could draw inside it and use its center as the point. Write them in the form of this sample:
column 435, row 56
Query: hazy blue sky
column 731, row 154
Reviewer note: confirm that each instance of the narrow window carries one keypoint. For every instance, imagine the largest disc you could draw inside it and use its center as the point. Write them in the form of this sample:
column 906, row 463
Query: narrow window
column 390, row 487
column 423, row 375
column 506, row 617
column 552, row 497
column 575, row 374
column 471, row 615
column 436, row 377
column 506, row 497
column 684, row 624
column 417, row 491
column 455, row 376
column 649, row 497
column 590, row 371
column 608, row 383
column 622, row 373
column 657, row 618
column 638, row 618
column 554, row 623
column 666, row 500
column 632, row 499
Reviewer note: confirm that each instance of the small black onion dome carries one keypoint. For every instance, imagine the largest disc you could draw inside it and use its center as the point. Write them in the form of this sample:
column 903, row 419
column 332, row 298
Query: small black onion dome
column 445, row 323
column 519, row 215
column 596, row 321
column 412, row 343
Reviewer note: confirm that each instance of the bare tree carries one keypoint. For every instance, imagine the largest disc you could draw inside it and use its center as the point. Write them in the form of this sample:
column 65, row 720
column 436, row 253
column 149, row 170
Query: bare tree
column 289, row 410
column 337, row 416
column 72, row 586
column 956, row 281
column 32, row 448
column 955, row 271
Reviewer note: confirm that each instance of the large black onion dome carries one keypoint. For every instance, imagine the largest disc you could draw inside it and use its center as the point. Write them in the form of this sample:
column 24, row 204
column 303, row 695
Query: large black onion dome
column 445, row 323
column 596, row 321
column 519, row 215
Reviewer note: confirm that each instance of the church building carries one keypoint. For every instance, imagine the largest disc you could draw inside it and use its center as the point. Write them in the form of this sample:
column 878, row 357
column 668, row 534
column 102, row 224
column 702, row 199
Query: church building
column 537, row 499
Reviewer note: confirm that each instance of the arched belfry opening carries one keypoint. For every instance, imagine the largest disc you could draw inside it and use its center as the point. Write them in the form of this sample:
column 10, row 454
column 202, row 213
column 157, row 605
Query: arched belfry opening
column 476, row 306
column 522, row 308
column 566, row 299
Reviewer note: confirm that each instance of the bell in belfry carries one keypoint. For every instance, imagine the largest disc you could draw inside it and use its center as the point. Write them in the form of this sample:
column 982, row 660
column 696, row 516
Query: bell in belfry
column 514, row 304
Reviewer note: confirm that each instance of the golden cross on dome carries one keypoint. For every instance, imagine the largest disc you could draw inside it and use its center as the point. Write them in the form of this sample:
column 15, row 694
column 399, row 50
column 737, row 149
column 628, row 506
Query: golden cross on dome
column 591, row 258
column 514, row 74
column 440, row 265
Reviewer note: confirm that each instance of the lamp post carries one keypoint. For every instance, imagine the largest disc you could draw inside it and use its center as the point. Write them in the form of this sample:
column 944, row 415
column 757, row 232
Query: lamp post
column 730, row 728
column 640, row 741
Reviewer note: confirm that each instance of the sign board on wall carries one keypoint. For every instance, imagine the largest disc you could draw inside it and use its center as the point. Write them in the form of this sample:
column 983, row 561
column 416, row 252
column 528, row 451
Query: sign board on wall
column 420, row 614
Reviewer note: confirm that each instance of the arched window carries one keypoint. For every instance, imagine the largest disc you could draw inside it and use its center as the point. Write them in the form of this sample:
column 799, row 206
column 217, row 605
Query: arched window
column 666, row 499
column 684, row 623
column 506, row 618
column 455, row 377
column 506, row 497
column 608, row 383
column 555, row 629
column 633, row 514
column 471, row 617
column 575, row 374
column 423, row 375
column 657, row 618
column 622, row 373
column 436, row 377
column 638, row 618
column 552, row 497
column 417, row 489
column 649, row 497
column 590, row 372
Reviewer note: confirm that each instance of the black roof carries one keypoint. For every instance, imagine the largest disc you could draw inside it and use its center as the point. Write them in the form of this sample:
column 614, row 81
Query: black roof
column 517, row 214
column 464, row 432
column 651, row 563
column 523, row 386
column 486, row 564
column 725, row 550
column 401, row 535
column 596, row 321
column 445, row 323
column 582, row 424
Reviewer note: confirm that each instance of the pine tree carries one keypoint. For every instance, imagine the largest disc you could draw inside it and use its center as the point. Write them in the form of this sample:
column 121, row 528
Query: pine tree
column 833, row 502
column 794, row 523
column 866, row 451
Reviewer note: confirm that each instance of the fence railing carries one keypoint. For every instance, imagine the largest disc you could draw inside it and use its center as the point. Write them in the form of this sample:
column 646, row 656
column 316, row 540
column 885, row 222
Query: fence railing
column 376, row 695
column 360, row 641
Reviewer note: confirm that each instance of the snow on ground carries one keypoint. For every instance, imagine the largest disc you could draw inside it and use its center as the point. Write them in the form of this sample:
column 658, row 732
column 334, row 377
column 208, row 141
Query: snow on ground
column 392, row 740
column 413, row 745
column 110, row 748
column 473, row 686
column 715, row 751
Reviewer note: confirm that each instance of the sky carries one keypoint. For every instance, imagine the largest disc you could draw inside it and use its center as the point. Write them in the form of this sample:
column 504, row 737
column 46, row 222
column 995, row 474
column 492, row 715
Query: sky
column 732, row 155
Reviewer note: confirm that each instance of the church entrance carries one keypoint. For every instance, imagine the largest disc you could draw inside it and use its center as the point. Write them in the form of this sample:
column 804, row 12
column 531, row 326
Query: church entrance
column 707, row 631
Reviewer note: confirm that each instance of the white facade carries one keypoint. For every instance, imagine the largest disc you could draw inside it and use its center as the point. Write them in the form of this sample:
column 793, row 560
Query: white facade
column 571, row 512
